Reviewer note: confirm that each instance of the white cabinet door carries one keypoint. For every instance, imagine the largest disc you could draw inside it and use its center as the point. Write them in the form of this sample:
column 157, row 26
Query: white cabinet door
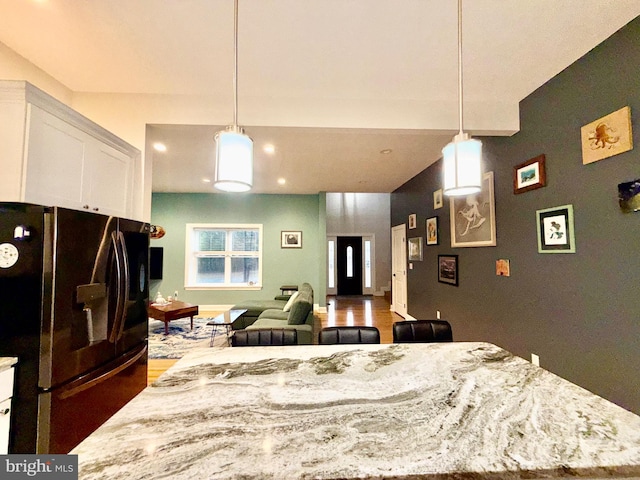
column 5, row 424
column 55, row 161
column 108, row 183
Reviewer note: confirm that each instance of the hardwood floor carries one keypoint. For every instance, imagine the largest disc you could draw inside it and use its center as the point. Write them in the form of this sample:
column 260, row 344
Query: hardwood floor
column 341, row 311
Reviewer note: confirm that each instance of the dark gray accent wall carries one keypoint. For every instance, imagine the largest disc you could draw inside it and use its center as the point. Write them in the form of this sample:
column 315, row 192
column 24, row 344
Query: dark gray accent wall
column 579, row 312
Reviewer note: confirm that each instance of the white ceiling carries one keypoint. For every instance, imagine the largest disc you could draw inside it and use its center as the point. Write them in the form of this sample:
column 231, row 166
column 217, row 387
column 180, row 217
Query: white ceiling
column 330, row 83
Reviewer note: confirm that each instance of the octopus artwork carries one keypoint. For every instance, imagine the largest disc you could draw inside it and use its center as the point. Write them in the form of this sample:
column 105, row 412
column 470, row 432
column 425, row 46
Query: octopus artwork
column 602, row 137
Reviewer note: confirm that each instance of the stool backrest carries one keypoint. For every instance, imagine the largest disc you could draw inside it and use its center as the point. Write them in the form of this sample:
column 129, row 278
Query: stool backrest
column 421, row 331
column 348, row 335
column 264, row 337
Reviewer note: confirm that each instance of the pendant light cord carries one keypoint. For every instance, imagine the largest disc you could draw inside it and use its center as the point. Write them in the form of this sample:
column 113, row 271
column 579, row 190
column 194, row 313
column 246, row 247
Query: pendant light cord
column 235, row 64
column 460, row 65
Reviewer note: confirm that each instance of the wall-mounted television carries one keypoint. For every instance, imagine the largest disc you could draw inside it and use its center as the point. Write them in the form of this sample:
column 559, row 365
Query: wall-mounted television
column 156, row 255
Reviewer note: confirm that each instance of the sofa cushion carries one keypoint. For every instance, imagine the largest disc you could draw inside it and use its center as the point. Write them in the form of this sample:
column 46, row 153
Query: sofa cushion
column 275, row 314
column 298, row 313
column 292, row 299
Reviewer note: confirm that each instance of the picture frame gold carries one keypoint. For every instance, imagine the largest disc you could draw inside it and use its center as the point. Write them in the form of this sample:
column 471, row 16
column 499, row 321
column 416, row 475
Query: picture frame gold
column 432, row 231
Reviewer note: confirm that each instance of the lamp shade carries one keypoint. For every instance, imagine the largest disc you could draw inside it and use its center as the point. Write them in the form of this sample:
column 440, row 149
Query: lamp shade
column 234, row 162
column 462, row 166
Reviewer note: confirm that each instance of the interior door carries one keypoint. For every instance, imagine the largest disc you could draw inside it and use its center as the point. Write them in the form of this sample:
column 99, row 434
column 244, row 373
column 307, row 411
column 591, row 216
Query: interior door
column 349, row 265
column 399, row 270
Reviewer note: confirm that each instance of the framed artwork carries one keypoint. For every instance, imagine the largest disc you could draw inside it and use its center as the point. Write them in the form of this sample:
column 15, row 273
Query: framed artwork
column 629, row 196
column 555, row 230
column 448, row 269
column 290, row 239
column 415, row 249
column 607, row 136
column 503, row 268
column 529, row 175
column 432, row 231
column 473, row 218
column 437, row 199
column 412, row 220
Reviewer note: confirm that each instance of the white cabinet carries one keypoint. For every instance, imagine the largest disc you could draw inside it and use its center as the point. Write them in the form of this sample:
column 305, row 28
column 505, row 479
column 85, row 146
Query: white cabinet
column 6, row 391
column 55, row 156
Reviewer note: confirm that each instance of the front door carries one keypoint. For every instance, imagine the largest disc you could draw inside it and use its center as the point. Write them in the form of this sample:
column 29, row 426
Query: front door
column 349, row 265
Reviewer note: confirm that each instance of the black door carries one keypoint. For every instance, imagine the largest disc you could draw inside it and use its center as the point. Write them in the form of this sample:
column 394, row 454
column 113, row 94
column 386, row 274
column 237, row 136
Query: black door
column 349, row 265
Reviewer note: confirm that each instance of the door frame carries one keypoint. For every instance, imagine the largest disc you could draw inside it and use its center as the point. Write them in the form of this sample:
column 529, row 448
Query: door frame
column 332, row 279
column 399, row 270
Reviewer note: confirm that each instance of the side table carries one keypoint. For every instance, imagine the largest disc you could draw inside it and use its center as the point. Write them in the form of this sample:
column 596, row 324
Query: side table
column 224, row 320
column 172, row 311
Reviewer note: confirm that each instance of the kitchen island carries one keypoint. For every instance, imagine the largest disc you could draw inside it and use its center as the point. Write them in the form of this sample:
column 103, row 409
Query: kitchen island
column 418, row 411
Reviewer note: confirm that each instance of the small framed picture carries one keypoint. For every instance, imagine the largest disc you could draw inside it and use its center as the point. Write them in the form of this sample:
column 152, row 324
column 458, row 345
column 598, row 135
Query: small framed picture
column 448, row 269
column 289, row 239
column 529, row 175
column 412, row 220
column 437, row 199
column 415, row 249
column 555, row 230
column 432, row 231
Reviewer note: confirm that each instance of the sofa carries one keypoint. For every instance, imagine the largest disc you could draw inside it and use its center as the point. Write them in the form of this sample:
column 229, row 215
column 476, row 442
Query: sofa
column 284, row 311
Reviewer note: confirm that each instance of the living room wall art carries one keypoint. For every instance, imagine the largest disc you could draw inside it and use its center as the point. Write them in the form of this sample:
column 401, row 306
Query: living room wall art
column 473, row 218
column 415, row 249
column 529, row 175
column 555, row 230
column 437, row 199
column 448, row 269
column 629, row 196
column 607, row 136
column 432, row 231
column 290, row 239
column 412, row 220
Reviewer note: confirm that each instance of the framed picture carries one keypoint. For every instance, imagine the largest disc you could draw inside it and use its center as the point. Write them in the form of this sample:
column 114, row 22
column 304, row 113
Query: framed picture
column 289, row 239
column 432, row 231
column 473, row 218
column 502, row 268
column 412, row 220
column 529, row 175
column 555, row 230
column 415, row 249
column 607, row 136
column 448, row 269
column 437, row 199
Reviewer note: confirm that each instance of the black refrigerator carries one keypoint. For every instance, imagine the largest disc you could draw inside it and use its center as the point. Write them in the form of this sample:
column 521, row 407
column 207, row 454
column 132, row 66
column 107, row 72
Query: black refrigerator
column 74, row 292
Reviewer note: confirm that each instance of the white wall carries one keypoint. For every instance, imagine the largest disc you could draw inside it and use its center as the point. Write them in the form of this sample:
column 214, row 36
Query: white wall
column 360, row 214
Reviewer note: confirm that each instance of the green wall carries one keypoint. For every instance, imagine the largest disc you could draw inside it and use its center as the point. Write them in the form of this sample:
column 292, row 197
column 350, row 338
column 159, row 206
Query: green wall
column 579, row 312
column 275, row 212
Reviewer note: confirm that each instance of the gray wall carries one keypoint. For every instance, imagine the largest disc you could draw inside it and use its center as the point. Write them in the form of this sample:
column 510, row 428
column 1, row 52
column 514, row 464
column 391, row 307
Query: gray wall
column 364, row 213
column 579, row 312
column 276, row 212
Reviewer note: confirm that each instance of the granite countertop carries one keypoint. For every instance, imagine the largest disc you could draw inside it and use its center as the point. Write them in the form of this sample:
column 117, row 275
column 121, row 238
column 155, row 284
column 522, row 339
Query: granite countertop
column 7, row 362
column 419, row 411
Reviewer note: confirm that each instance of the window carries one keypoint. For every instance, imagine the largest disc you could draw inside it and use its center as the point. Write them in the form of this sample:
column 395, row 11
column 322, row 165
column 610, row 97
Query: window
column 223, row 256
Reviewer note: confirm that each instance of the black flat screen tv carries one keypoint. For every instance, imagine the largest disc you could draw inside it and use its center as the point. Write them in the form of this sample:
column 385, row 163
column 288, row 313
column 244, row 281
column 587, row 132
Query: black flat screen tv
column 156, row 255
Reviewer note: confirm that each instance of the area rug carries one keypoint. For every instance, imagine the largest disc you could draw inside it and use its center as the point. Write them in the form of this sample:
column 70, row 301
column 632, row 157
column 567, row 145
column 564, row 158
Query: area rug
column 181, row 338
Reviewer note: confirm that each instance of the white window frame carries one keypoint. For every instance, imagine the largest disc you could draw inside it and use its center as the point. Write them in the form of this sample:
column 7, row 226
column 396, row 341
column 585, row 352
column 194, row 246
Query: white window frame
column 191, row 256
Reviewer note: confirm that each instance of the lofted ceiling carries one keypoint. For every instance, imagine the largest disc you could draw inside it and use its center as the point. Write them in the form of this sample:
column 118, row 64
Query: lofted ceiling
column 330, row 83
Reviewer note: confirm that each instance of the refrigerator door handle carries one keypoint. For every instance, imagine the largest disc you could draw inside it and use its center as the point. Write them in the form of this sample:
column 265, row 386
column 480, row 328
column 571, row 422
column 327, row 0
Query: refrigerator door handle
column 126, row 280
column 95, row 378
column 119, row 262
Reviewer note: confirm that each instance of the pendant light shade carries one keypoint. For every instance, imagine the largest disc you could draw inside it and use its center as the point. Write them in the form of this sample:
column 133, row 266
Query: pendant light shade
column 462, row 157
column 462, row 168
column 234, row 149
column 234, row 161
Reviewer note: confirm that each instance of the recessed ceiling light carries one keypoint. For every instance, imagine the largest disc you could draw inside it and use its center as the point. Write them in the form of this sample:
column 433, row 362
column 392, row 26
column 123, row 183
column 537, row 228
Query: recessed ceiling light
column 206, row 180
column 281, row 181
column 160, row 147
column 268, row 148
column 386, row 151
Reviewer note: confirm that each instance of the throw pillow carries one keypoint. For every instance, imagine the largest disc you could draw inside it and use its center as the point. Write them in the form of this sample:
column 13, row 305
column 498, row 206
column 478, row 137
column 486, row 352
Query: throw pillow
column 292, row 299
column 299, row 312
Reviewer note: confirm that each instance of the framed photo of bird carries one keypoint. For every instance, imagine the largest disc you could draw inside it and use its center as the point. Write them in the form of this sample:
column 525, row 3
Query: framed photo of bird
column 555, row 230
column 473, row 217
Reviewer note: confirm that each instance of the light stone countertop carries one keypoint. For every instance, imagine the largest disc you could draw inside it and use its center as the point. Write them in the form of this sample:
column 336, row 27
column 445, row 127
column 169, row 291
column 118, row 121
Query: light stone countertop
column 7, row 362
column 418, row 411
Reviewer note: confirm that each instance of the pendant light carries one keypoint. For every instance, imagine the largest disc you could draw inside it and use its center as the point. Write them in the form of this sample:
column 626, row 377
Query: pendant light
column 234, row 149
column 462, row 157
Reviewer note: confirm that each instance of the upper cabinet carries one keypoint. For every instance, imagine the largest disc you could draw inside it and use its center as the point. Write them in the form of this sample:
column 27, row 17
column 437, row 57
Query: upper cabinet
column 52, row 155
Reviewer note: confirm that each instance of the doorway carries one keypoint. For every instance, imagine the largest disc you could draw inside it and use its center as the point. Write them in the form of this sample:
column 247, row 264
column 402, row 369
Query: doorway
column 399, row 269
column 349, row 265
